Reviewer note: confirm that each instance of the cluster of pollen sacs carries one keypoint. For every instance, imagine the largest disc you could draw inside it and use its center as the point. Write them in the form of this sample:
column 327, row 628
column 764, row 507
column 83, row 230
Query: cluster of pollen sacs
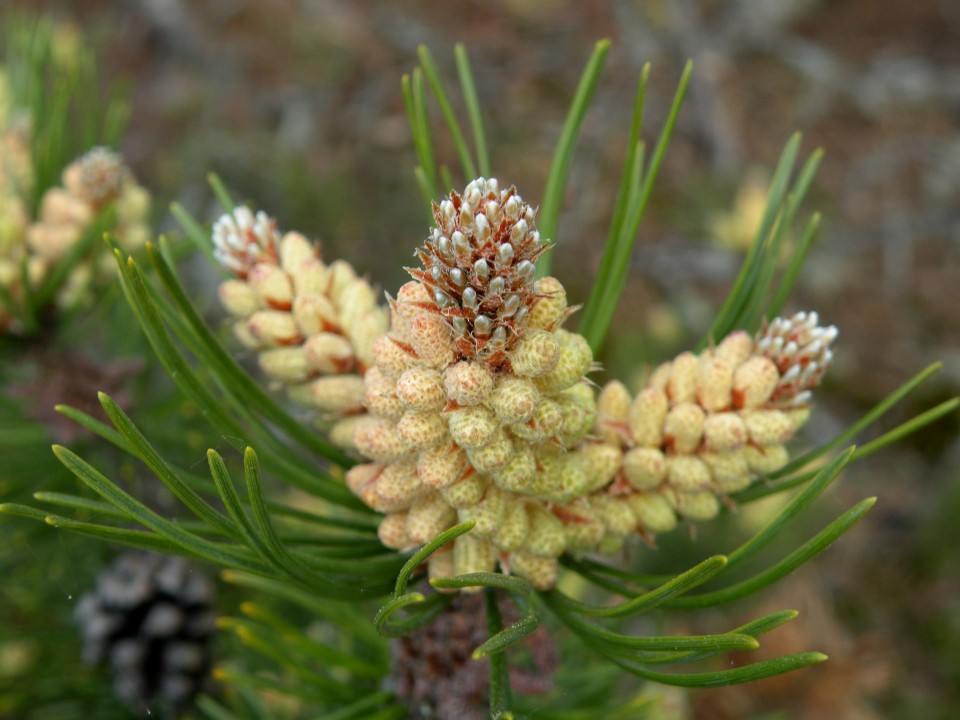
column 33, row 247
column 477, row 405
column 706, row 425
column 470, row 401
column 312, row 325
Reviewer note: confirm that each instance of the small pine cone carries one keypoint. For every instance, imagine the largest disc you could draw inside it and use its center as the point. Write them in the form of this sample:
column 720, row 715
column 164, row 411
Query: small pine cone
column 313, row 325
column 477, row 381
column 707, row 425
column 152, row 618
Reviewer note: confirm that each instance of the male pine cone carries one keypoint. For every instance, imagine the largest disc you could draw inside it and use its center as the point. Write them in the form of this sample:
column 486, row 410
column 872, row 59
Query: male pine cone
column 311, row 324
column 93, row 182
column 476, row 406
column 707, row 425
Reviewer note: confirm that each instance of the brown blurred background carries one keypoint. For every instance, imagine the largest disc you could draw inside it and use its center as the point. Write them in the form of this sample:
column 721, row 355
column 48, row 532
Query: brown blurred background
column 297, row 106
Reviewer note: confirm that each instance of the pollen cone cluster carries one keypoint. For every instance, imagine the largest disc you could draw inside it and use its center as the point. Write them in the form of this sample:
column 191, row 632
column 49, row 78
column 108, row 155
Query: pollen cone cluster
column 706, row 425
column 476, row 403
column 90, row 184
column 313, row 325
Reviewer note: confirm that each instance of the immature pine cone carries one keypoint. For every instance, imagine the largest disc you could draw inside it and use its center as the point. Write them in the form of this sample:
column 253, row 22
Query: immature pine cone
column 476, row 403
column 90, row 183
column 151, row 616
column 707, row 425
column 313, row 325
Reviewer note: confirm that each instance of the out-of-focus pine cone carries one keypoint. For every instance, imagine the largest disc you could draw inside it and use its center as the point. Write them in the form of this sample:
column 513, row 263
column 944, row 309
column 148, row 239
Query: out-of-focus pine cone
column 313, row 325
column 477, row 405
column 90, row 183
column 706, row 425
column 151, row 618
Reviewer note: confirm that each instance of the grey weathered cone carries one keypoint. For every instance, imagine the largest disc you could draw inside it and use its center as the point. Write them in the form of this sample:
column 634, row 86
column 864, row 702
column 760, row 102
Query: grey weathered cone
column 151, row 618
